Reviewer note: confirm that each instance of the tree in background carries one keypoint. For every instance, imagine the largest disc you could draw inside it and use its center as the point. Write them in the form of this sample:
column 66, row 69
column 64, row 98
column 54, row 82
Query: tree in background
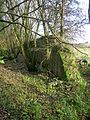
column 24, row 19
column 42, row 13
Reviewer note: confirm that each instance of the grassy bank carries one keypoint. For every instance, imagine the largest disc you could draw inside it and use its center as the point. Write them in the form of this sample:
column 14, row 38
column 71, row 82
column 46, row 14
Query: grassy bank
column 25, row 96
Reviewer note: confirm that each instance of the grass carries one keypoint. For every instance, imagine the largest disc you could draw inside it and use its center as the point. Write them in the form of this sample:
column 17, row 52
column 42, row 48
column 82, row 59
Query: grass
column 28, row 96
column 85, row 72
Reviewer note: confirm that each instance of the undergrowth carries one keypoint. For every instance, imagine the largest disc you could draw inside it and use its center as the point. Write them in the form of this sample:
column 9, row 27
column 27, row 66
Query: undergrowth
column 39, row 97
column 33, row 99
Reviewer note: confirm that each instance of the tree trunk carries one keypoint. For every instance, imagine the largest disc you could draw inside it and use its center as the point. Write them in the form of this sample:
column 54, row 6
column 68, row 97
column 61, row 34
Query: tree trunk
column 62, row 20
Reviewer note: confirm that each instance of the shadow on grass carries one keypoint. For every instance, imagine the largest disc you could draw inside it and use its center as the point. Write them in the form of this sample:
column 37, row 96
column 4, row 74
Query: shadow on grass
column 20, row 67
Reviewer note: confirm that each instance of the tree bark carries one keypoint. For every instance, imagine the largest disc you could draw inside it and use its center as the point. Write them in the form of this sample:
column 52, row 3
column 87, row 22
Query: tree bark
column 62, row 20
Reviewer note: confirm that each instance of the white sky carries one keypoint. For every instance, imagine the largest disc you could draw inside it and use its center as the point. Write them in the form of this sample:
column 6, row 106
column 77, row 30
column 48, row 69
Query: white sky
column 84, row 6
column 86, row 37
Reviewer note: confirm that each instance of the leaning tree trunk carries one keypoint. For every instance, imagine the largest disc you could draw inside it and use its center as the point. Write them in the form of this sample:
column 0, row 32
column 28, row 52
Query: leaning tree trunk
column 46, row 33
column 62, row 20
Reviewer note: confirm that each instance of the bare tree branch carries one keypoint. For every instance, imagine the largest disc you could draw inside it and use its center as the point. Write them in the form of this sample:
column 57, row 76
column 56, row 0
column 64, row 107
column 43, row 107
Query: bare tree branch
column 17, row 5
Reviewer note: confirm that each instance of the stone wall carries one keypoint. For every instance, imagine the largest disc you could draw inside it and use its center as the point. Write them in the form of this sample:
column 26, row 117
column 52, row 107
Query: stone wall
column 35, row 56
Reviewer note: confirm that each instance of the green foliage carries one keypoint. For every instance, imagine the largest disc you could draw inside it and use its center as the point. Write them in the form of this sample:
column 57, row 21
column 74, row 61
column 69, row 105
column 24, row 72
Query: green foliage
column 1, row 60
column 69, row 63
column 3, row 52
column 39, row 97
column 34, row 100
column 31, row 110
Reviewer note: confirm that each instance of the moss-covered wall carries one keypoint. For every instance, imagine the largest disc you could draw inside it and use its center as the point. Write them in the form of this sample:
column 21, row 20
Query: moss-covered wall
column 56, row 63
column 61, row 60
